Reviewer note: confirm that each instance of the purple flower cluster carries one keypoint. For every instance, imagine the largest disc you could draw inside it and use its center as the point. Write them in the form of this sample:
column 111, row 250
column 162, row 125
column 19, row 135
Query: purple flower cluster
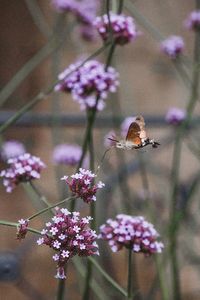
column 22, row 169
column 82, row 185
column 131, row 232
column 88, row 83
column 10, row 149
column 22, row 229
column 193, row 20
column 122, row 27
column 68, row 154
column 175, row 116
column 173, row 46
column 68, row 235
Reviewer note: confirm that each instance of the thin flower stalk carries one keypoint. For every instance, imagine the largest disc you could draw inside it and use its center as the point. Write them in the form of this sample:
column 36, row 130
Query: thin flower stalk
column 175, row 214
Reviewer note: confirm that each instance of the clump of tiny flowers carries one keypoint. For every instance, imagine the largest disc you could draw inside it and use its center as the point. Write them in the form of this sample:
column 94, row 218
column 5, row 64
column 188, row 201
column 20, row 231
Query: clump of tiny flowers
column 68, row 154
column 175, row 116
column 22, row 229
column 10, row 149
column 88, row 83
column 82, row 185
column 68, row 235
column 172, row 46
column 122, row 27
column 131, row 232
column 193, row 20
column 23, row 168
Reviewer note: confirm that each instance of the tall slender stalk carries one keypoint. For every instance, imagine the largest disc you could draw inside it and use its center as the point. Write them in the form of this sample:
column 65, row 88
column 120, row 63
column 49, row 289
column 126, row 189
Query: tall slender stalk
column 174, row 212
column 86, row 293
column 129, row 277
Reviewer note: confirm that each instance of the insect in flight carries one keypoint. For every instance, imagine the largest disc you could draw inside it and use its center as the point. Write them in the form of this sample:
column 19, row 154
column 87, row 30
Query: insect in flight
column 136, row 137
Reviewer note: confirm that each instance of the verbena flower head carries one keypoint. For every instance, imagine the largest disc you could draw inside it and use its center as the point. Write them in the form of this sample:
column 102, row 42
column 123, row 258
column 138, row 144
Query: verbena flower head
column 122, row 27
column 173, row 46
column 131, row 232
column 23, row 168
column 10, row 149
column 125, row 125
column 84, row 10
column 22, row 229
column 193, row 20
column 68, row 235
column 82, row 185
column 68, row 154
column 175, row 116
column 88, row 82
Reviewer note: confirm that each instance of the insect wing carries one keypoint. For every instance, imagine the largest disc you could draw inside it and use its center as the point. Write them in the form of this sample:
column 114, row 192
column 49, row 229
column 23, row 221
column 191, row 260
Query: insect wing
column 140, row 121
column 133, row 134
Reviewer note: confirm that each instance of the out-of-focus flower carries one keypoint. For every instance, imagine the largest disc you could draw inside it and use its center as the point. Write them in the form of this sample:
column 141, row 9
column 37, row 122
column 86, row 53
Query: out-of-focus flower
column 87, row 32
column 82, row 185
column 193, row 20
column 122, row 27
column 10, row 149
column 88, row 83
column 173, row 46
column 68, row 235
column 131, row 232
column 22, row 229
column 84, row 10
column 125, row 125
column 108, row 143
column 175, row 116
column 68, row 154
column 23, row 168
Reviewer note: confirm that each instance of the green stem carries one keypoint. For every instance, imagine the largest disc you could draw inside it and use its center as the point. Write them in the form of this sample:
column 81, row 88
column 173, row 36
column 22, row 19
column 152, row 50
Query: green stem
column 41, row 197
column 38, row 17
column 61, row 290
column 50, row 207
column 86, row 293
column 95, row 286
column 175, row 214
column 107, row 277
column 12, row 224
column 129, row 278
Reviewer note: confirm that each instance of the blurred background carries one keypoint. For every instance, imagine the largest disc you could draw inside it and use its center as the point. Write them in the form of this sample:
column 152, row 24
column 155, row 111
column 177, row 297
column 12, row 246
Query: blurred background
column 37, row 43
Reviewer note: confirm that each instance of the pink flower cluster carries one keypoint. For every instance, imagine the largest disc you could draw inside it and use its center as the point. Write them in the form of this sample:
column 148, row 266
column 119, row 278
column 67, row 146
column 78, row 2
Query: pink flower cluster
column 175, row 116
column 10, row 149
column 173, row 46
column 193, row 20
column 22, row 229
column 82, row 185
column 122, row 27
column 131, row 232
column 23, row 168
column 68, row 154
column 68, row 235
column 88, row 82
